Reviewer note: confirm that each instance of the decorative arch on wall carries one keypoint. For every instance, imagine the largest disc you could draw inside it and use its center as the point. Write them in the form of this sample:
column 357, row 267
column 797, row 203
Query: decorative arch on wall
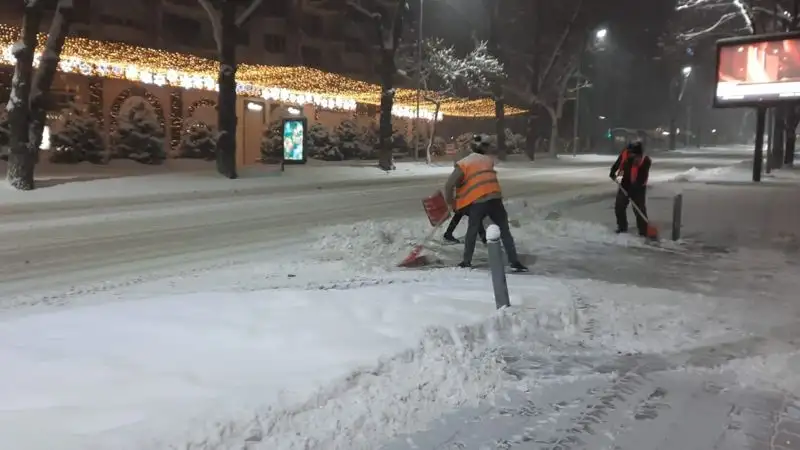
column 135, row 92
column 200, row 104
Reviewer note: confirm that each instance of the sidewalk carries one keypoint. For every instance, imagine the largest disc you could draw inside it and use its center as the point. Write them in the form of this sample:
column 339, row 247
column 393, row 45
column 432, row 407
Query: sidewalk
column 741, row 244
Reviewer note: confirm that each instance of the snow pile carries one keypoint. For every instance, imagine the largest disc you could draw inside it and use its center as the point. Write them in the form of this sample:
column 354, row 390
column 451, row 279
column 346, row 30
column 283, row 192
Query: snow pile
column 382, row 244
column 729, row 173
column 449, row 368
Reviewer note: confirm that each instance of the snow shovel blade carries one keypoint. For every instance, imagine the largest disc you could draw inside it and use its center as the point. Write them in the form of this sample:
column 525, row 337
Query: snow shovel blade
column 415, row 259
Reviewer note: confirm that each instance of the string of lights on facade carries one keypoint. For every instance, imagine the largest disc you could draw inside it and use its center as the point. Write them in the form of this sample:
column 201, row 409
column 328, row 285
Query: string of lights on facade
column 291, row 85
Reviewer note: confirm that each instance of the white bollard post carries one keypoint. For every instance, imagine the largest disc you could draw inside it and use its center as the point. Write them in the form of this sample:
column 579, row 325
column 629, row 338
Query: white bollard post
column 497, row 267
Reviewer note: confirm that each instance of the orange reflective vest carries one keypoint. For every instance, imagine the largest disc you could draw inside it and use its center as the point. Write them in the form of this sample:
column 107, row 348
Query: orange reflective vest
column 479, row 181
column 623, row 158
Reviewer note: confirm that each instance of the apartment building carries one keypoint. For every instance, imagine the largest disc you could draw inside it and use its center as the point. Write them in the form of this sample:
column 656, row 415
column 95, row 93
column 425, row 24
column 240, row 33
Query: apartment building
column 313, row 33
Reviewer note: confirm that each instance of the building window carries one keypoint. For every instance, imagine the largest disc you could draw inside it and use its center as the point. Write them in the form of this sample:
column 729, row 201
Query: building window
column 274, row 43
column 275, row 8
column 243, row 37
column 312, row 25
column 352, row 45
column 312, row 57
column 181, row 30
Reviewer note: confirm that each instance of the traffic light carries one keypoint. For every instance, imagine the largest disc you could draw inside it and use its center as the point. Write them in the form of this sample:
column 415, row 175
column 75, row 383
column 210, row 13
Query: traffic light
column 608, row 134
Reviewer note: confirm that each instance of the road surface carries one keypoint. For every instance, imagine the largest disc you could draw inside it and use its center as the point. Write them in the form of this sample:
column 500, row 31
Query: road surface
column 63, row 245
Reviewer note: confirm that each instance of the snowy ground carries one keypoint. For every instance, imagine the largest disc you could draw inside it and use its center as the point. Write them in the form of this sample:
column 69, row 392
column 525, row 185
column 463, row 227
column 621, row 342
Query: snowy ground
column 320, row 342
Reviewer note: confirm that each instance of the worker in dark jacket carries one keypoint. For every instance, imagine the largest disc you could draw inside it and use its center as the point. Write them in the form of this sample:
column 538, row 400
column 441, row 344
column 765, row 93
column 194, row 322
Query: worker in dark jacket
column 477, row 141
column 631, row 170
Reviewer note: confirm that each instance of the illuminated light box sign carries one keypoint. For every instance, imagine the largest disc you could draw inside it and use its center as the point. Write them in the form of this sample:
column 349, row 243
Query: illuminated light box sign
column 758, row 70
column 294, row 140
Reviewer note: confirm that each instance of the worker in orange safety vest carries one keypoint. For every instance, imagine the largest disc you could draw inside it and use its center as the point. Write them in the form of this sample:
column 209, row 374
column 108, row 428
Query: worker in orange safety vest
column 473, row 187
column 631, row 171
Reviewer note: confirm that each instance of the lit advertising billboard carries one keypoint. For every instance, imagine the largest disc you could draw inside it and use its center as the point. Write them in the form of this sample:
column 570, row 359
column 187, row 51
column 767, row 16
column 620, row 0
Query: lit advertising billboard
column 294, row 140
column 758, row 70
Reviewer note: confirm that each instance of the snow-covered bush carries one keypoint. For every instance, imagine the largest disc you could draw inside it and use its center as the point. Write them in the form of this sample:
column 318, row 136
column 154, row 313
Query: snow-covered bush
column 463, row 141
column 199, row 141
column 78, row 139
column 323, row 144
column 138, row 136
column 439, row 147
column 354, row 141
column 400, row 143
column 515, row 142
column 4, row 138
column 272, row 142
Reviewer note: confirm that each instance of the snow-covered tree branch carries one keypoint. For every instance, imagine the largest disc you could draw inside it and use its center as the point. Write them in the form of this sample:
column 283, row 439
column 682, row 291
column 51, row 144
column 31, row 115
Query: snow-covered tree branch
column 444, row 73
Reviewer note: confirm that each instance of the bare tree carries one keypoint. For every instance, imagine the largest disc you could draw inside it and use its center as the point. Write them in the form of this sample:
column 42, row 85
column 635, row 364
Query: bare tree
column 226, row 24
column 388, row 25
column 705, row 19
column 547, row 63
column 27, row 107
column 446, row 74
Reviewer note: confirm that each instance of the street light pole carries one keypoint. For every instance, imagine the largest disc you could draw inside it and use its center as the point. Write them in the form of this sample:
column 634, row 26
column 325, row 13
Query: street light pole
column 418, row 135
column 599, row 36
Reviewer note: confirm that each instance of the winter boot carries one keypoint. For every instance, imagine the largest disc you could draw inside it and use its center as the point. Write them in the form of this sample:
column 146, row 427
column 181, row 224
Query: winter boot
column 465, row 265
column 519, row 267
column 450, row 239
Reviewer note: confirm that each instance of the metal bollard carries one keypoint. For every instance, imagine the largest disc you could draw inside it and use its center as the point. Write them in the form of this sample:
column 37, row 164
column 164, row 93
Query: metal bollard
column 497, row 266
column 677, row 216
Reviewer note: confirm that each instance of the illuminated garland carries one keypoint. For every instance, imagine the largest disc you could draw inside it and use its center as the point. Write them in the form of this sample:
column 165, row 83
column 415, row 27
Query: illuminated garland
column 295, row 85
column 200, row 104
column 175, row 118
column 125, row 95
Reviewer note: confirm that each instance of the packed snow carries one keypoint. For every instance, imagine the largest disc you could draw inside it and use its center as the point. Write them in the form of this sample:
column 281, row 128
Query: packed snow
column 324, row 343
column 329, row 346
column 735, row 174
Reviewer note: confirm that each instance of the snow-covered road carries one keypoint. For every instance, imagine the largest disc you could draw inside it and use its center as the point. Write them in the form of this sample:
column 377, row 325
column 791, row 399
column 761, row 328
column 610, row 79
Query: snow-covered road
column 230, row 320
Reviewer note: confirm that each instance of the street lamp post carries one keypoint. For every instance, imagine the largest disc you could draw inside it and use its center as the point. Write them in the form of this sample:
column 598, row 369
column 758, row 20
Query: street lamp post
column 599, row 37
column 417, row 134
column 686, row 72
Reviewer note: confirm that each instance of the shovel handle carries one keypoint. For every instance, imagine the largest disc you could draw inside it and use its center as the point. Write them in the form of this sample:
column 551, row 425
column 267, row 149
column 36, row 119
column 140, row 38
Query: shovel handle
column 633, row 203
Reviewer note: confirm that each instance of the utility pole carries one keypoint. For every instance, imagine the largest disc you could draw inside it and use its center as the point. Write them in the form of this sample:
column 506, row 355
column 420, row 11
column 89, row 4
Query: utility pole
column 417, row 131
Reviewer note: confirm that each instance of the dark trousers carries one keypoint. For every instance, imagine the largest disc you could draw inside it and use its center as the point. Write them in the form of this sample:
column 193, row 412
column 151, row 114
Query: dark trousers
column 496, row 212
column 638, row 196
column 451, row 227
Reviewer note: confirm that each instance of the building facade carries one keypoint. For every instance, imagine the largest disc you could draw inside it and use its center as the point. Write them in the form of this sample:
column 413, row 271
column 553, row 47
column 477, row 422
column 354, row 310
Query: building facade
column 312, row 33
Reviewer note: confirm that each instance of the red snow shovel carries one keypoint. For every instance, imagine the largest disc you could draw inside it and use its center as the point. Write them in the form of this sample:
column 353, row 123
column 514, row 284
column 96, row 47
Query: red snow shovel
column 438, row 212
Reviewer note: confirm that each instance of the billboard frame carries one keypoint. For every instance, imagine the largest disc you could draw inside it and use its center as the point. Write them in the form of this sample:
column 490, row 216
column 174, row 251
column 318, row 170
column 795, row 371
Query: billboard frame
column 284, row 121
column 745, row 40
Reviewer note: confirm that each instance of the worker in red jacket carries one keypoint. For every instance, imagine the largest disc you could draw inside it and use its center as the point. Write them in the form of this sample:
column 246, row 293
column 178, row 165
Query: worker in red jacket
column 631, row 171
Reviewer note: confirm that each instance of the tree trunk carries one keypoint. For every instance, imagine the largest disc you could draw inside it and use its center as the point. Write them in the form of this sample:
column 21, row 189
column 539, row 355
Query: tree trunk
column 791, row 136
column 497, row 87
column 433, row 132
column 387, row 102
column 500, row 122
column 21, row 161
column 778, row 135
column 553, row 144
column 530, row 135
column 48, row 65
column 226, row 107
